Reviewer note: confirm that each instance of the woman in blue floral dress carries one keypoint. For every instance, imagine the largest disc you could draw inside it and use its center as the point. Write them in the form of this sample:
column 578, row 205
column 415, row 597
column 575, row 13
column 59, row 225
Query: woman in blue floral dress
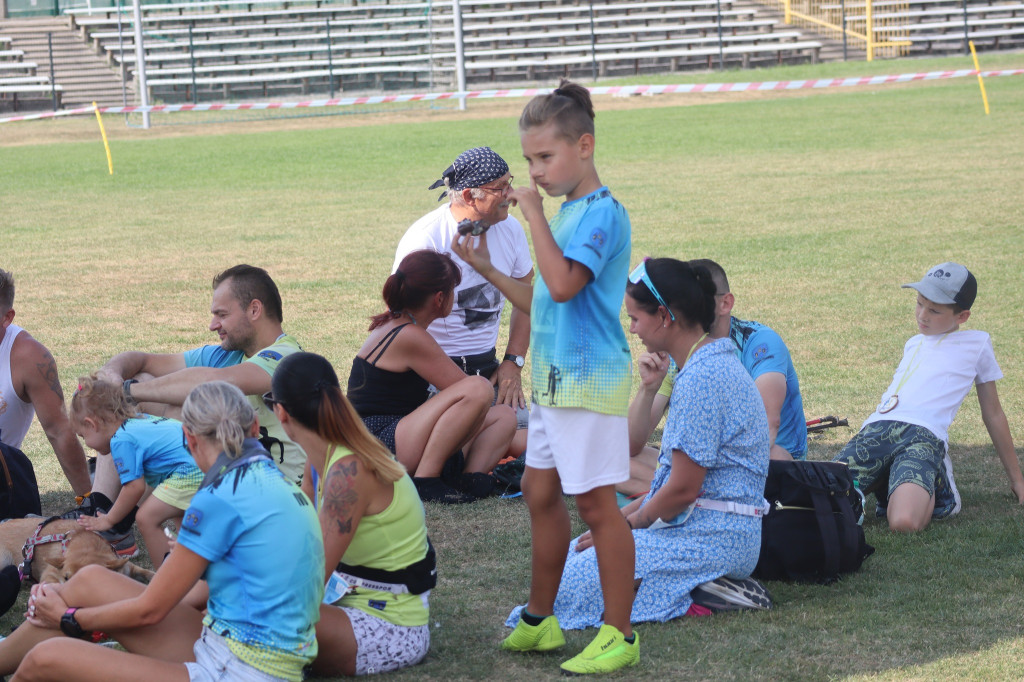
column 701, row 519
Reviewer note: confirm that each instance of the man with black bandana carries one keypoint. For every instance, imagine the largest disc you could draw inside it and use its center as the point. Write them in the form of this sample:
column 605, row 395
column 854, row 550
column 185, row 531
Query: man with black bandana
column 477, row 185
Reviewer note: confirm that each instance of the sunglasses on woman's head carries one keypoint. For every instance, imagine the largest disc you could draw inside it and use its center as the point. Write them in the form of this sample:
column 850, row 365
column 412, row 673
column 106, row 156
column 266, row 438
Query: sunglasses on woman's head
column 638, row 275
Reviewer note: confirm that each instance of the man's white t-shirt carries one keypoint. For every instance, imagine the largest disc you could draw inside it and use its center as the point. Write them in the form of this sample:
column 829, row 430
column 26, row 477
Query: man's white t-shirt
column 473, row 325
column 935, row 375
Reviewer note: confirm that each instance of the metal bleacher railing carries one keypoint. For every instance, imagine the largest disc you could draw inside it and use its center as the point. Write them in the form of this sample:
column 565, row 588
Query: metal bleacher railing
column 236, row 49
column 243, row 48
column 894, row 28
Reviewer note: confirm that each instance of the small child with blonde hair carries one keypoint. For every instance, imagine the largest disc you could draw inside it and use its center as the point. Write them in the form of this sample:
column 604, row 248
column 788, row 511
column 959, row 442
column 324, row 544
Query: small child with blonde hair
column 146, row 450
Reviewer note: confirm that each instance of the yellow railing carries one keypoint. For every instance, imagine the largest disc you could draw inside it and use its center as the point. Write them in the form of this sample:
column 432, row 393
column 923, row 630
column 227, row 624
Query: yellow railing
column 879, row 36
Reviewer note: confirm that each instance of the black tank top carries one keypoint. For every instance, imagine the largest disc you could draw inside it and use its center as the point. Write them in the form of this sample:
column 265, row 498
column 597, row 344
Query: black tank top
column 374, row 391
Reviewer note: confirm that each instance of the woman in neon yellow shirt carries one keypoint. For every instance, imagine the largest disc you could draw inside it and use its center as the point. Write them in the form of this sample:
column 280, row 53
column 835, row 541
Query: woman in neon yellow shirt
column 379, row 563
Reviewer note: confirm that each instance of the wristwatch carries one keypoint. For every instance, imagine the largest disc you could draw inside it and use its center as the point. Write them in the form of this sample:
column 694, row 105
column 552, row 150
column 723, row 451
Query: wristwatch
column 518, row 359
column 126, row 387
column 70, row 627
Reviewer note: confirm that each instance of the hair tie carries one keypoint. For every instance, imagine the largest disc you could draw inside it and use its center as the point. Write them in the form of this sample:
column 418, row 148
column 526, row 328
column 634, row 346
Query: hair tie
column 400, row 275
column 321, row 384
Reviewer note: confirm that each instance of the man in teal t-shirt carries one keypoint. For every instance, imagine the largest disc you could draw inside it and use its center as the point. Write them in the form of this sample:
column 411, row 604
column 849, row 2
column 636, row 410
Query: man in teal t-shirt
column 247, row 317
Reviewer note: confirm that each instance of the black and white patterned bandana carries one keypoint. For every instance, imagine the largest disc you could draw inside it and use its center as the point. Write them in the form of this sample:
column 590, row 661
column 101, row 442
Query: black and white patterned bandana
column 474, row 168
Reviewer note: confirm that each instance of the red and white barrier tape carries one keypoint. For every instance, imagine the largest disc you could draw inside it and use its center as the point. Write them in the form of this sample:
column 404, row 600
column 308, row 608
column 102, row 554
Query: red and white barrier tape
column 530, row 92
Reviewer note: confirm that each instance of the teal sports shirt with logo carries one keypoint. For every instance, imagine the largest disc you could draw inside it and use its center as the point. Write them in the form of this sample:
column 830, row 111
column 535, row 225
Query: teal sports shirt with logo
column 580, row 356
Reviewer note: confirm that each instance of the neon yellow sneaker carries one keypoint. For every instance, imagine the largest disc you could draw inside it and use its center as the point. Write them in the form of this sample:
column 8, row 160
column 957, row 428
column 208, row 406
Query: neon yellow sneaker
column 544, row 637
column 608, row 652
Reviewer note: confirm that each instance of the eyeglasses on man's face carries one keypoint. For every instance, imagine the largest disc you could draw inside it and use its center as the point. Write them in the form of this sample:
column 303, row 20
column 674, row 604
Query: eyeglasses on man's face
column 503, row 189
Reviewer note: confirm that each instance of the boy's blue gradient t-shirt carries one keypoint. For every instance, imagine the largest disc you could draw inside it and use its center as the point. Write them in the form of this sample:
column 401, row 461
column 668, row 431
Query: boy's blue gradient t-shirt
column 579, row 352
column 152, row 448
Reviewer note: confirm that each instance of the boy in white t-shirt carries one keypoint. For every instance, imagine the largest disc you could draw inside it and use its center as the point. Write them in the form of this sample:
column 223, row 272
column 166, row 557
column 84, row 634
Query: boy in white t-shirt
column 901, row 452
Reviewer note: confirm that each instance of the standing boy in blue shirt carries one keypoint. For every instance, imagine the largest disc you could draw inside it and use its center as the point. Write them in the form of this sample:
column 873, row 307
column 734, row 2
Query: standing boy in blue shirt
column 578, row 443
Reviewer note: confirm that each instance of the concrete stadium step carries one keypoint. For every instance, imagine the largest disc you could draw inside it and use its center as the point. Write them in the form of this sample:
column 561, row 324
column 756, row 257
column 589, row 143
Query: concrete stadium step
column 831, row 48
column 84, row 76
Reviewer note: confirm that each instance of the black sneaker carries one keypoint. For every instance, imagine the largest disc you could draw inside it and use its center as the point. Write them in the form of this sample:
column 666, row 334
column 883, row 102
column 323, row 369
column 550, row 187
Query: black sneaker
column 95, row 502
column 10, row 587
column 436, row 490
column 729, row 594
column 451, row 472
column 91, row 503
column 476, row 485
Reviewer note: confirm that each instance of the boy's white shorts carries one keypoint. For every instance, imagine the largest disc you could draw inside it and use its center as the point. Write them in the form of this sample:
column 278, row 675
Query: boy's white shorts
column 588, row 449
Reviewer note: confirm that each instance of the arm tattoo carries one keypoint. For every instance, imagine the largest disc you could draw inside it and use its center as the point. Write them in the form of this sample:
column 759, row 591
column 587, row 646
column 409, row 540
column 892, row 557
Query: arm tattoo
column 48, row 369
column 340, row 494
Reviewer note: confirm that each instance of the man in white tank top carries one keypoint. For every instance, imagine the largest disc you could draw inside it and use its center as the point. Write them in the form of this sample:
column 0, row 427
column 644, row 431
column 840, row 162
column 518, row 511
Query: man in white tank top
column 30, row 384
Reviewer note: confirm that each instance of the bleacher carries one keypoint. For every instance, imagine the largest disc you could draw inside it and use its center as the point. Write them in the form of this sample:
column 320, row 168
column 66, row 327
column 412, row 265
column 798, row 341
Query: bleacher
column 945, row 28
column 20, row 86
column 257, row 48
column 919, row 27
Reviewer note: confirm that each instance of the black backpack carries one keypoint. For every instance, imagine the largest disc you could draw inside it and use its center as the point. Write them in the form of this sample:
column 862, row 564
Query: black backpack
column 19, row 494
column 812, row 531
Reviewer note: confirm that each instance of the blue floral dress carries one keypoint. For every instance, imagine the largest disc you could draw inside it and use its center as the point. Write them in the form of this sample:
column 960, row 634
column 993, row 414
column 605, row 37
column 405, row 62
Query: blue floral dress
column 717, row 418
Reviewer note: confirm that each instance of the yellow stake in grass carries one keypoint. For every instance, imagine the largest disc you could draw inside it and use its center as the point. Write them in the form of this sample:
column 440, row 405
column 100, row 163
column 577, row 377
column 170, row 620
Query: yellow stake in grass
column 981, row 83
column 103, row 132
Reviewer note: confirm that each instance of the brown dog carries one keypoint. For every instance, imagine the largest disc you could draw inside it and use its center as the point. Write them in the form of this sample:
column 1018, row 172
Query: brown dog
column 55, row 562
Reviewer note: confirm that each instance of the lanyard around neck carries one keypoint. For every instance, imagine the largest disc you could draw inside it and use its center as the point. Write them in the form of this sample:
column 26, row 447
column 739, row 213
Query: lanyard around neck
column 911, row 367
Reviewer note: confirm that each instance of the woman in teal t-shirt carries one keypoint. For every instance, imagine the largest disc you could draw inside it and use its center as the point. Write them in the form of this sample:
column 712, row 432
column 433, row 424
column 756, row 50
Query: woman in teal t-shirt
column 248, row 530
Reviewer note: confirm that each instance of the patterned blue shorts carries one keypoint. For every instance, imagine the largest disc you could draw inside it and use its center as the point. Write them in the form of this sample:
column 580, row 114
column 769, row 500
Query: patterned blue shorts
column 886, row 454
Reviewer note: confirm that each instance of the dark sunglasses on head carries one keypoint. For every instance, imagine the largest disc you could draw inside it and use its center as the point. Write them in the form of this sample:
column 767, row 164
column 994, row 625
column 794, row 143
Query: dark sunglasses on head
column 270, row 401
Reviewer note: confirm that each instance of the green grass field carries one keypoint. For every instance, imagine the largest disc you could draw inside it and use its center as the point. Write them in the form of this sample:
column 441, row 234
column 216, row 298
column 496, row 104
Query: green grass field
column 818, row 204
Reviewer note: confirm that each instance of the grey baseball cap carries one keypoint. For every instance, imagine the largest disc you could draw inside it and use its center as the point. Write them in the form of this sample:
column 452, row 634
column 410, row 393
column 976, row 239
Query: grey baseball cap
column 949, row 283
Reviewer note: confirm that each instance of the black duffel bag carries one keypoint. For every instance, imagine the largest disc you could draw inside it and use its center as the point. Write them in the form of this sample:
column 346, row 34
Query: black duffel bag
column 19, row 494
column 812, row 530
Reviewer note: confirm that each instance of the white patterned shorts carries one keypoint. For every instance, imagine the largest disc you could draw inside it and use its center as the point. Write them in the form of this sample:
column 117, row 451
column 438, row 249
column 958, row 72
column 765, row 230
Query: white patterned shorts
column 382, row 646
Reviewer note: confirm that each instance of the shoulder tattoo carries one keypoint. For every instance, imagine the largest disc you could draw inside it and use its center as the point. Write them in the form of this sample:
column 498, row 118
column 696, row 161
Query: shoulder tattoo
column 48, row 369
column 340, row 494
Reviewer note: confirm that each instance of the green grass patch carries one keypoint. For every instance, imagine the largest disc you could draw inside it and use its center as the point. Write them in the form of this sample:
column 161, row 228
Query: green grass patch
column 819, row 205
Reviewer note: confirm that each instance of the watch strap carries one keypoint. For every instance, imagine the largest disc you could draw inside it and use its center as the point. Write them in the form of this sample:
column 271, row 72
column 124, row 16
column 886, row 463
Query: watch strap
column 519, row 360
column 126, row 387
column 69, row 625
